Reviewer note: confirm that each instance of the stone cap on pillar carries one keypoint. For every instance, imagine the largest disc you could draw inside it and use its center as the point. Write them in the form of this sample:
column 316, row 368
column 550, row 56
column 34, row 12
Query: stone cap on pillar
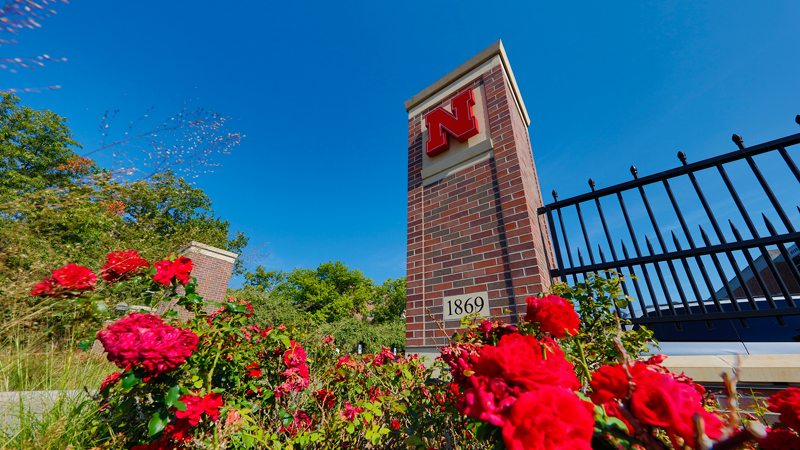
column 494, row 52
column 203, row 249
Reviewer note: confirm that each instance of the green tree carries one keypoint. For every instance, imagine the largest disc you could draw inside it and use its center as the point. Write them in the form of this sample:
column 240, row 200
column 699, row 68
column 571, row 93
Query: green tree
column 58, row 208
column 35, row 148
column 390, row 302
column 329, row 292
column 264, row 281
column 331, row 299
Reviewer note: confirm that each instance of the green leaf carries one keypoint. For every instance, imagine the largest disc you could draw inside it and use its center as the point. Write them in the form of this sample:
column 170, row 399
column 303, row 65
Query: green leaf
column 413, row 440
column 172, row 395
column 85, row 345
column 156, row 424
column 179, row 405
column 248, row 440
column 153, row 271
column 129, row 381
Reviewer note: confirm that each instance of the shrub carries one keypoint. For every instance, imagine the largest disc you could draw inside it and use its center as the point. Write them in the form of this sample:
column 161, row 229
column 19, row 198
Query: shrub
column 217, row 381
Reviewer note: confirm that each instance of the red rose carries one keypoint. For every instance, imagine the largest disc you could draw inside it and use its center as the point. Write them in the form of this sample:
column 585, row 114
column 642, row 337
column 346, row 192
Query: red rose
column 659, row 400
column 524, row 363
column 489, row 399
column 120, row 265
column 254, row 370
column 196, row 406
column 110, row 380
column 555, row 315
column 780, row 439
column 787, row 404
column 194, row 409
column 45, row 288
column 183, row 266
column 144, row 340
column 212, row 403
column 75, row 278
column 485, row 327
column 549, row 418
column 350, row 412
column 165, row 272
column 180, row 431
column 609, row 383
column 325, row 397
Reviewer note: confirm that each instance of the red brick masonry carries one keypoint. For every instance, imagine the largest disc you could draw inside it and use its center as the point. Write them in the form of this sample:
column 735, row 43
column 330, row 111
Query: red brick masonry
column 476, row 230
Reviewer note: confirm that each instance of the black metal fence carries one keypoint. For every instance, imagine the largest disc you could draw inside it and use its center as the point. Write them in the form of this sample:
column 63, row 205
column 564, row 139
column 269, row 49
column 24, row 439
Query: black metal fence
column 687, row 275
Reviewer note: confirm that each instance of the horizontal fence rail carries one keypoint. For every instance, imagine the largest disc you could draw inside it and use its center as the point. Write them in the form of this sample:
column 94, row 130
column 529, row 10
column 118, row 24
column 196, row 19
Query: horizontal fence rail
column 708, row 271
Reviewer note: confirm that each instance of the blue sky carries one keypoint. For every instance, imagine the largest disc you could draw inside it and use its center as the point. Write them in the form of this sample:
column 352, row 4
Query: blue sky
column 318, row 88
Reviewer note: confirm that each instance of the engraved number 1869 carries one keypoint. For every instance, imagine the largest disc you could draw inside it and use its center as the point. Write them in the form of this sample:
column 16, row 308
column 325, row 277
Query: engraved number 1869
column 469, row 306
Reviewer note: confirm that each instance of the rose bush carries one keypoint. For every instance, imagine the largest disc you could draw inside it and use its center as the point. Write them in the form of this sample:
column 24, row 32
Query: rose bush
column 218, row 381
column 555, row 381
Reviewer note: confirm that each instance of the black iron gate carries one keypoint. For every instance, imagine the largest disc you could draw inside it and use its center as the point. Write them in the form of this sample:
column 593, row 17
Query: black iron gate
column 686, row 276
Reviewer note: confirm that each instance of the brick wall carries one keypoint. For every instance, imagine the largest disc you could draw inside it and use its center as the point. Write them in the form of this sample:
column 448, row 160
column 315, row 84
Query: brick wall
column 477, row 229
column 784, row 272
column 212, row 268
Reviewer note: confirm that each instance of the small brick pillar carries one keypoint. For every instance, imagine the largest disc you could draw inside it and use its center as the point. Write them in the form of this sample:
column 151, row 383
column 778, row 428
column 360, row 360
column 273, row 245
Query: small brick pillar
column 473, row 230
column 212, row 268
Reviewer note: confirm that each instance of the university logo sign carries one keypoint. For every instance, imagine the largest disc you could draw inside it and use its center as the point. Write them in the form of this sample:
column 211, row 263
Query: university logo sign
column 461, row 124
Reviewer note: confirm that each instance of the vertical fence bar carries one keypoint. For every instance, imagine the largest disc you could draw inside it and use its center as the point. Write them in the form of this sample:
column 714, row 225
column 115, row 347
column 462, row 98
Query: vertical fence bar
column 663, row 245
column 556, row 249
column 786, row 257
column 608, row 277
column 789, row 162
column 700, row 264
column 603, row 221
column 585, row 234
column 700, row 303
column 663, row 285
column 611, row 246
column 724, row 277
column 768, row 190
column 566, row 239
column 750, row 226
column 638, row 252
column 757, row 274
column 635, row 281
column 718, row 232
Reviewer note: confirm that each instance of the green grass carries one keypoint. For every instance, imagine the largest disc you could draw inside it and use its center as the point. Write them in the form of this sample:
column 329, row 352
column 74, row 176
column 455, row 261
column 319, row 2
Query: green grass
column 44, row 405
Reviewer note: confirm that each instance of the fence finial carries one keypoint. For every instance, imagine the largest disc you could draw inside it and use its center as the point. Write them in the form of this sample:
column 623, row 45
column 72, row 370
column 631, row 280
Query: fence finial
column 635, row 172
column 555, row 195
column 591, row 183
column 738, row 140
column 797, row 119
column 682, row 157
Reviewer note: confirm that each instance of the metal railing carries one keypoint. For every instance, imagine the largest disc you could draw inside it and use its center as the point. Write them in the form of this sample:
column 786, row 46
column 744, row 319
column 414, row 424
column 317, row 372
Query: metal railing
column 700, row 264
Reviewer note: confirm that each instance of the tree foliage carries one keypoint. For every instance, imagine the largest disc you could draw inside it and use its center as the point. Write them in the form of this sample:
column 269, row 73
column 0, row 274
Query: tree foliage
column 341, row 301
column 56, row 207
column 35, row 149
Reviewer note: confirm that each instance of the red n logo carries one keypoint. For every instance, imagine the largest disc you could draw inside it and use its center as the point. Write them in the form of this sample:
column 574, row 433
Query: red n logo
column 461, row 124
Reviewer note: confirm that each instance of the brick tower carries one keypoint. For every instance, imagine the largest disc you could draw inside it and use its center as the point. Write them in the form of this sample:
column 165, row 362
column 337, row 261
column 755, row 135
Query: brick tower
column 475, row 242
